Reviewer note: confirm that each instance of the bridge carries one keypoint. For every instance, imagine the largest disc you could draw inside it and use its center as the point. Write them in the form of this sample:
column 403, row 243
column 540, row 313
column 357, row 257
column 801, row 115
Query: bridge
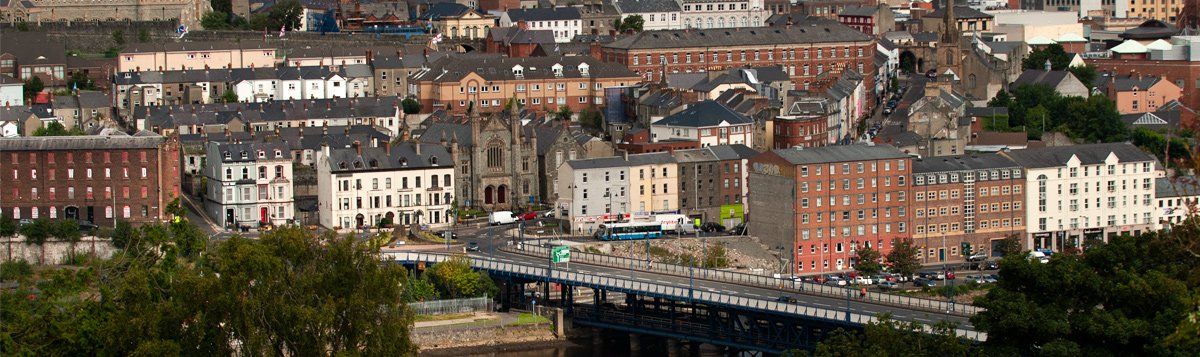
column 741, row 312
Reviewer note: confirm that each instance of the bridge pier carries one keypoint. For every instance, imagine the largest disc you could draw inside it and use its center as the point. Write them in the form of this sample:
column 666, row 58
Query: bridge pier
column 635, row 344
column 672, row 347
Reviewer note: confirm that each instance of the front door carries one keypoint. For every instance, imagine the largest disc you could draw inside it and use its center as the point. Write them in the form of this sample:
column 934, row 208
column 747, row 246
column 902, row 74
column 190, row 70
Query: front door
column 91, row 214
column 229, row 217
column 262, row 215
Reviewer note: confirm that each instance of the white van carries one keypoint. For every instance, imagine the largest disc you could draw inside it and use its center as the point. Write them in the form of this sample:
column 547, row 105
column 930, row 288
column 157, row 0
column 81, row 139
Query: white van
column 1039, row 256
column 501, row 217
column 671, row 223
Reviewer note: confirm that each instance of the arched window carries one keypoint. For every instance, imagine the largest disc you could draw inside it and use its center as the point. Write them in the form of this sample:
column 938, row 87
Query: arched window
column 495, row 157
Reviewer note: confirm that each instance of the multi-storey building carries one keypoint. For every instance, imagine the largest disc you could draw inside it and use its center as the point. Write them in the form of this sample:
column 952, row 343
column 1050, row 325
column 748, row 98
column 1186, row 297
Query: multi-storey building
column 807, row 49
column 656, row 14
column 381, row 112
column 1138, row 93
column 595, row 191
column 175, row 56
column 803, row 123
column 564, row 22
column 455, row 20
column 99, row 179
column 1180, row 65
column 487, row 84
column 965, row 205
column 821, row 204
column 249, row 184
column 707, row 122
column 1177, row 198
column 712, row 182
column 204, row 86
column 1087, row 192
column 707, row 14
column 25, row 55
column 406, row 183
column 871, row 20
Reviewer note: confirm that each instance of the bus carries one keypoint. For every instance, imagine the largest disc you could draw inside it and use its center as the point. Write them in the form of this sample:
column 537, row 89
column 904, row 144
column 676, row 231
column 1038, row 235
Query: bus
column 629, row 230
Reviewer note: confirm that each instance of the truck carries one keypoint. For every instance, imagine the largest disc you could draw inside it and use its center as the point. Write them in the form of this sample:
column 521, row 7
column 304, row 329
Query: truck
column 676, row 223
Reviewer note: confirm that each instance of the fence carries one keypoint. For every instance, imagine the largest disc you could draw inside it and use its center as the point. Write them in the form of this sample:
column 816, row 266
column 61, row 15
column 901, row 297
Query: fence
column 454, row 306
column 761, row 280
column 660, row 290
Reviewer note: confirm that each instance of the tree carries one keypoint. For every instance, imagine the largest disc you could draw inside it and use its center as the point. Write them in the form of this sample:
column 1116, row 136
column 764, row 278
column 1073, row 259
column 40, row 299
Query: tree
column 33, row 86
column 66, row 230
column 56, row 128
column 455, row 279
column 225, row 6
column 143, row 35
column 124, row 235
column 868, row 261
column 80, row 80
column 1086, row 74
column 564, row 113
column 1059, row 58
column 38, row 233
column 215, row 20
column 903, row 257
column 1002, row 99
column 287, row 14
column 229, row 97
column 419, row 289
column 118, row 37
column 591, row 119
column 8, row 226
column 410, row 105
column 888, row 337
column 1011, row 245
column 633, row 23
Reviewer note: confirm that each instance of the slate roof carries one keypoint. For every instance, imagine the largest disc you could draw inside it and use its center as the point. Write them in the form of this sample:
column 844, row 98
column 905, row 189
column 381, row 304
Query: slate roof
column 808, row 31
column 15, row 112
column 194, row 46
column 989, row 138
column 840, row 153
column 704, row 114
column 1004, row 46
column 493, row 68
column 620, row 161
column 1124, row 83
column 716, row 153
column 233, row 74
column 251, row 148
column 961, row 12
column 1088, row 154
column 1161, row 119
column 450, row 131
column 1151, row 29
column 857, row 11
column 314, row 109
column 32, row 48
column 1042, row 77
column 961, row 163
column 402, row 156
column 86, row 142
column 544, row 14
column 645, row 6
column 985, row 111
column 1181, row 186
column 309, row 138
column 508, row 35
column 443, row 10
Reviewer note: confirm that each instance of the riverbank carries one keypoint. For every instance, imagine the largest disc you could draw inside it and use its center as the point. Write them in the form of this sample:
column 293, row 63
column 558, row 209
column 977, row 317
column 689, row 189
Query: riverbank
column 477, row 339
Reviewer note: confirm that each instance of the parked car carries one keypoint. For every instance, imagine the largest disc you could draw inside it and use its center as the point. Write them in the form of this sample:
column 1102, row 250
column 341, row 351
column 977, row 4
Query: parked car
column 835, row 281
column 948, row 275
column 737, row 230
column 991, row 265
column 473, row 247
column 924, row 283
column 1039, row 256
column 978, row 279
column 888, row 285
column 527, row 216
column 712, row 227
column 86, row 226
column 550, row 214
column 887, row 110
column 991, row 278
column 863, row 280
column 932, row 275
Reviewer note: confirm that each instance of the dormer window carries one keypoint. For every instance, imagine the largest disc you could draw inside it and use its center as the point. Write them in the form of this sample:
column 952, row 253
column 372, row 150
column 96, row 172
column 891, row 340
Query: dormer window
column 278, row 154
column 403, row 161
column 342, row 165
column 244, row 156
column 518, row 71
column 358, row 164
column 583, row 69
column 228, row 156
column 558, row 70
column 262, row 154
column 374, row 163
column 433, row 160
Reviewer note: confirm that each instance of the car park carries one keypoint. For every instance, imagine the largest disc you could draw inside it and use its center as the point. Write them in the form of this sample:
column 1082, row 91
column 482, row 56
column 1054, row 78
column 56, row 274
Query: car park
column 888, row 285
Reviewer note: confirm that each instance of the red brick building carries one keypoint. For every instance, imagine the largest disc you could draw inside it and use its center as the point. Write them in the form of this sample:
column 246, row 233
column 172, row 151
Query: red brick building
column 806, row 49
column 965, row 202
column 1183, row 73
column 822, row 204
column 805, row 123
column 517, row 41
column 92, row 178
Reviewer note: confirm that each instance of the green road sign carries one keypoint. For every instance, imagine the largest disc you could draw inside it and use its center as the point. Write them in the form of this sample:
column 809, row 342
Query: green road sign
column 560, row 254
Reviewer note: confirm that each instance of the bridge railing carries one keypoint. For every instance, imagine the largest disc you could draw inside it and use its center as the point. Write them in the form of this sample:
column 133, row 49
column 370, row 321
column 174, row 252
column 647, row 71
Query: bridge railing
column 669, row 291
column 759, row 280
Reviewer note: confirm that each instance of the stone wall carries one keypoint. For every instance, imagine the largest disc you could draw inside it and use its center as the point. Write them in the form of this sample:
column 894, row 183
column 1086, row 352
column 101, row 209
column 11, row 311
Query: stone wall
column 189, row 11
column 14, row 248
column 466, row 339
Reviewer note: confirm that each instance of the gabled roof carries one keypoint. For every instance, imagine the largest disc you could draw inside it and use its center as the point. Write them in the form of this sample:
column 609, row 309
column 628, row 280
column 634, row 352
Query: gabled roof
column 544, row 14
column 1124, row 82
column 839, row 153
column 402, row 156
column 1129, row 46
column 707, row 113
column 509, row 35
column 1037, row 76
column 1088, row 154
column 445, row 10
column 494, row 68
column 84, row 142
column 858, row 11
column 808, row 31
column 1180, row 186
column 646, row 6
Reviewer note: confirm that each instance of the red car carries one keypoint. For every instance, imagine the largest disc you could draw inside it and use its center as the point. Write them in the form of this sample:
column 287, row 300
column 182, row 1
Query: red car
column 527, row 216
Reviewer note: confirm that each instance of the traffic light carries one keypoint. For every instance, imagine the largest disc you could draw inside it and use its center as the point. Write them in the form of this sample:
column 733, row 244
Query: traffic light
column 966, row 249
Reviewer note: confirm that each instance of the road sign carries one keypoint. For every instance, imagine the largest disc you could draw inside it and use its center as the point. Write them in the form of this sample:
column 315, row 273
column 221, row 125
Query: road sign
column 560, row 254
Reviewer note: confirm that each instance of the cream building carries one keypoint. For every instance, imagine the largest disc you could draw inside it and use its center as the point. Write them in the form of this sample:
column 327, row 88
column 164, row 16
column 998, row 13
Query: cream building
column 594, row 191
column 407, row 183
column 174, row 56
column 1086, row 192
column 454, row 20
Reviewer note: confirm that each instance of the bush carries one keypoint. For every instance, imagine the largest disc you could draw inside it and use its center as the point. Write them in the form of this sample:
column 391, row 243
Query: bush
column 18, row 270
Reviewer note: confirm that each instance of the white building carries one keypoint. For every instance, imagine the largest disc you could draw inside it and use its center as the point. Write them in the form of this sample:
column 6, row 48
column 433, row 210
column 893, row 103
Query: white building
column 1082, row 192
column 249, row 184
column 565, row 22
column 706, row 14
column 709, row 122
column 368, row 186
column 1176, row 199
column 656, row 14
column 595, row 191
column 12, row 92
column 205, row 86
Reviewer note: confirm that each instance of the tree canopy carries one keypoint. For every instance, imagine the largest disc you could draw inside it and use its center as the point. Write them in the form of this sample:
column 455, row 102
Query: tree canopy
column 633, row 23
column 1038, row 107
column 902, row 259
column 868, row 261
column 56, row 128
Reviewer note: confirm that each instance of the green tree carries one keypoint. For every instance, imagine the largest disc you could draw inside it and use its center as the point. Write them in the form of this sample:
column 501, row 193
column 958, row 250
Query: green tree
column 124, row 235
column 118, row 37
column 33, row 86
column 225, row 6
column 143, row 35
column 215, row 20
column 1011, row 245
column 56, row 128
column 67, row 230
column 1059, row 58
column 633, row 23
column 715, row 257
column 868, row 261
column 1086, row 74
column 903, row 257
column 287, row 14
column 38, row 233
column 455, row 279
column 1002, row 99
column 410, row 105
column 419, row 289
column 564, row 113
column 80, row 80
column 592, row 119
column 888, row 337
column 229, row 97
column 8, row 226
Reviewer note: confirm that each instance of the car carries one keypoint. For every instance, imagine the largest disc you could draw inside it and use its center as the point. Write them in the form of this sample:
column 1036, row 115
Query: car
column 712, row 227
column 737, row 230
column 549, row 214
column 86, row 226
column 948, row 275
column 501, row 218
column 978, row 279
column 24, row 221
column 978, row 257
column 786, row 299
column 835, row 281
column 924, row 283
column 888, row 285
column 991, row 278
column 527, row 216
column 863, row 280
column 887, row 111
column 991, row 265
column 892, row 104
column 473, row 247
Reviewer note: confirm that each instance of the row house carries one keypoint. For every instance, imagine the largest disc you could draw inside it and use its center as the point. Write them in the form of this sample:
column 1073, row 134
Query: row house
column 965, row 204
column 99, row 179
column 406, row 183
column 563, row 22
column 706, row 14
column 712, row 182
column 708, row 122
column 1177, row 62
column 1137, row 93
column 392, row 71
column 383, row 113
column 205, row 86
column 301, row 143
column 596, row 191
column 656, row 14
column 487, row 84
column 249, row 184
column 176, row 56
column 1083, row 193
column 1176, row 199
column 822, row 204
column 807, row 50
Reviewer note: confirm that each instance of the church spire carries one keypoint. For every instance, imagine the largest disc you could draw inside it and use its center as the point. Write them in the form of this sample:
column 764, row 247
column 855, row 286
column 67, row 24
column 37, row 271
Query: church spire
column 949, row 23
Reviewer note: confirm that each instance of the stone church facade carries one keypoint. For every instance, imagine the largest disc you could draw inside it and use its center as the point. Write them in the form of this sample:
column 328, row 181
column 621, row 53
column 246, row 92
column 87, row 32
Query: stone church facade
column 498, row 167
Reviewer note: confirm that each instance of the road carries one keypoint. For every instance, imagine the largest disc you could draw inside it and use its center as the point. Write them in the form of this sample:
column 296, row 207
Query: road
column 489, row 239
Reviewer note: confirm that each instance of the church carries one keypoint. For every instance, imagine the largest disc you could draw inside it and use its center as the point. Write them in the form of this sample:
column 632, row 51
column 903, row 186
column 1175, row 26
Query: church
column 497, row 169
column 977, row 68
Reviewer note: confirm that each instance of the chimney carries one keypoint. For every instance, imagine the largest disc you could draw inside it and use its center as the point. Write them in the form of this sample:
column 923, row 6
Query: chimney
column 388, row 146
column 346, row 129
column 522, row 25
column 416, row 147
column 625, row 154
column 357, row 147
column 325, row 128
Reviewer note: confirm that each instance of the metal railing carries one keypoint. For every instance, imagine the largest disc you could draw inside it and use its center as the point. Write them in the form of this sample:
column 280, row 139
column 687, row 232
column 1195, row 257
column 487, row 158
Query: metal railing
column 759, row 280
column 454, row 306
column 663, row 290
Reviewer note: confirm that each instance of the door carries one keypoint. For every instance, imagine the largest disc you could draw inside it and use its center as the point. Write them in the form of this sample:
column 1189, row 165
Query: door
column 91, row 214
column 942, row 254
column 262, row 215
column 229, row 217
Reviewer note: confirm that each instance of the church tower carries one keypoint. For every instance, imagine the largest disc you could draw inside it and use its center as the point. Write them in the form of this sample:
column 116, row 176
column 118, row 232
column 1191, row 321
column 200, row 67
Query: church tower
column 949, row 51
